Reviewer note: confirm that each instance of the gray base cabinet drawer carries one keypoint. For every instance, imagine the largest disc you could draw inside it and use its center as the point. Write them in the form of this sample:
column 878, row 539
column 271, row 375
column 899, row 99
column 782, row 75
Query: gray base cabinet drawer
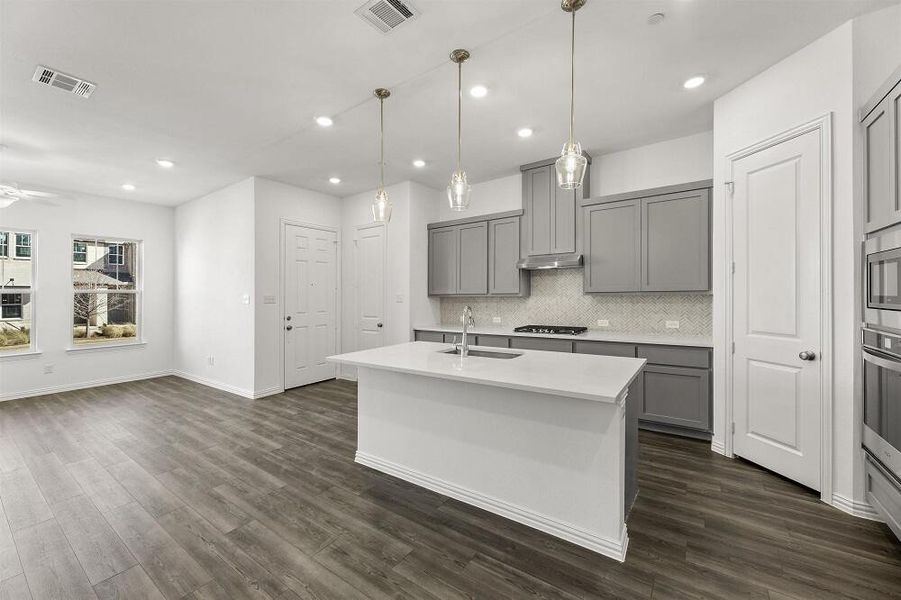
column 676, row 396
column 428, row 336
column 495, row 341
column 605, row 349
column 884, row 493
column 676, row 356
column 524, row 343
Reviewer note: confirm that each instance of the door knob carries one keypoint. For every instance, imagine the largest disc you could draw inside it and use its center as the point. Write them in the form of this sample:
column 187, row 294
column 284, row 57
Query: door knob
column 807, row 355
column 289, row 327
column 378, row 324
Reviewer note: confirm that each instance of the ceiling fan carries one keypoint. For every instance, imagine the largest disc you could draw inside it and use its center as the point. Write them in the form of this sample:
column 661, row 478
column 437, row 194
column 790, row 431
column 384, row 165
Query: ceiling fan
column 11, row 193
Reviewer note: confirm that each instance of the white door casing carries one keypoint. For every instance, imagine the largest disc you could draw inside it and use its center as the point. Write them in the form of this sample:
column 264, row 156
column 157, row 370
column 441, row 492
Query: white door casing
column 780, row 292
column 310, row 303
column 370, row 286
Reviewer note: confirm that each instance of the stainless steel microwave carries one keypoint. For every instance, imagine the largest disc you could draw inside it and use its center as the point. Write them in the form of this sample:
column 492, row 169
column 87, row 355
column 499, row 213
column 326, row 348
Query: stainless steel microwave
column 882, row 288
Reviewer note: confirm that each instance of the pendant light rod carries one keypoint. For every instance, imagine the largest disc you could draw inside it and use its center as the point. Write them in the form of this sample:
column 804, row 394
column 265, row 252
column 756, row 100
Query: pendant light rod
column 381, row 94
column 571, row 6
column 459, row 56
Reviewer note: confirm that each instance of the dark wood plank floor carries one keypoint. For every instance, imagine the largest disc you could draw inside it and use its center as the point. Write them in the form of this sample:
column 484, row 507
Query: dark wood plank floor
column 168, row 489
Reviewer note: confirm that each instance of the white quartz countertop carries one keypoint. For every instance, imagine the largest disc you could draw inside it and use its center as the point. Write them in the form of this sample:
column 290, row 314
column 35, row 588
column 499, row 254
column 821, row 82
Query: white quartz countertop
column 592, row 335
column 584, row 376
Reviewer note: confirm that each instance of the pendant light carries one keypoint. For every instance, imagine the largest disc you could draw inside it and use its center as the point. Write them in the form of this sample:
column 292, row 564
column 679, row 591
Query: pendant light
column 571, row 164
column 459, row 188
column 381, row 205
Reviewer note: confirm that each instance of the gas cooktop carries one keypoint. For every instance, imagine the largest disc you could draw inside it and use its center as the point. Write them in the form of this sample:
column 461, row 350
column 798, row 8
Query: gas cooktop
column 555, row 329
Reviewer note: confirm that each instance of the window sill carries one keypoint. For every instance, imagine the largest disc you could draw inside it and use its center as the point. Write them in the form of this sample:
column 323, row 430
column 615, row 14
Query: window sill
column 19, row 354
column 102, row 346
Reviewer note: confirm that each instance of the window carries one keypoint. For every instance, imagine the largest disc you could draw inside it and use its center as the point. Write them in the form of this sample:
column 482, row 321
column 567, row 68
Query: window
column 116, row 255
column 106, row 290
column 16, row 291
column 23, row 245
column 79, row 252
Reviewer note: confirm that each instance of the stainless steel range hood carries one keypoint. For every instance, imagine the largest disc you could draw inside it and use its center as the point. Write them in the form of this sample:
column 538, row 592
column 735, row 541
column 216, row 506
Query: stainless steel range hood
column 550, row 261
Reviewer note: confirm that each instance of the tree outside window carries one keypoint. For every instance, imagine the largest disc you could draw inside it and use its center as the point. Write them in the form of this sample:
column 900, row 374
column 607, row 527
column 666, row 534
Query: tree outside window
column 106, row 290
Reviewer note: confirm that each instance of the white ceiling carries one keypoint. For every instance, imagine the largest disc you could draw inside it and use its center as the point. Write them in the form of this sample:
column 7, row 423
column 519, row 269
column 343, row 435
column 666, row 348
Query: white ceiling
column 230, row 89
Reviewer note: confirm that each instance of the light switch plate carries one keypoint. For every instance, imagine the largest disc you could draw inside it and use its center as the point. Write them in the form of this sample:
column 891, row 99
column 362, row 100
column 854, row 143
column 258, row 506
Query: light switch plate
column 495, row 319
column 269, row 300
column 672, row 324
column 603, row 323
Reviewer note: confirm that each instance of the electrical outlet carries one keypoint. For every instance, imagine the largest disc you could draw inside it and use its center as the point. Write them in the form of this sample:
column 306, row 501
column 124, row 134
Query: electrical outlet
column 211, row 360
column 495, row 319
column 603, row 323
column 48, row 369
column 672, row 324
column 245, row 298
column 269, row 300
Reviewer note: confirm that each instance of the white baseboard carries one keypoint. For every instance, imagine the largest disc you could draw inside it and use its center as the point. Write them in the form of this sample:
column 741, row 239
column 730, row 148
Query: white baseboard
column 69, row 387
column 225, row 387
column 268, row 392
column 859, row 509
column 718, row 447
column 613, row 548
column 347, row 377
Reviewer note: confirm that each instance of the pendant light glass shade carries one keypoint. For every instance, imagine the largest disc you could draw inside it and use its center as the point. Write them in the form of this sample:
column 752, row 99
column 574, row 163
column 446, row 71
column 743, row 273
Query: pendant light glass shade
column 381, row 204
column 459, row 188
column 458, row 191
column 572, row 164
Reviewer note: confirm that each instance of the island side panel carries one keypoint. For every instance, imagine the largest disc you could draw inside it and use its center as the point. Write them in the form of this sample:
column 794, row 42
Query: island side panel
column 550, row 462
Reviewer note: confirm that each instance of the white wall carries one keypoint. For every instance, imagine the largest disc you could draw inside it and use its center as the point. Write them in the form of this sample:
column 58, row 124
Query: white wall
column 214, row 288
column 424, row 207
column 806, row 85
column 274, row 201
column 679, row 160
column 55, row 225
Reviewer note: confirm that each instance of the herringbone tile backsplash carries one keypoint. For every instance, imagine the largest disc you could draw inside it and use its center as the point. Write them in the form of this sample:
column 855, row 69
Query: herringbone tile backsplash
column 557, row 299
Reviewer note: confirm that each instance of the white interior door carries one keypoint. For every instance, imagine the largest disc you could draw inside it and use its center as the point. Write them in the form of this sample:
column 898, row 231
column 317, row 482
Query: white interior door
column 311, row 311
column 777, row 307
column 370, row 285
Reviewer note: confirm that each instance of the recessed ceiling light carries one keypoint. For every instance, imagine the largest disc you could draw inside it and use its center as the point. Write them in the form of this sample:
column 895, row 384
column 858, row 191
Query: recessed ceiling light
column 335, row 180
column 324, row 121
column 128, row 187
column 693, row 82
column 478, row 91
column 165, row 163
column 419, row 163
column 524, row 132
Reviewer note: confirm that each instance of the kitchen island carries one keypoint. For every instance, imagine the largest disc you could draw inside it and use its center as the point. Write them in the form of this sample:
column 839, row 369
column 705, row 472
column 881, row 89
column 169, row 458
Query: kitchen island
column 541, row 438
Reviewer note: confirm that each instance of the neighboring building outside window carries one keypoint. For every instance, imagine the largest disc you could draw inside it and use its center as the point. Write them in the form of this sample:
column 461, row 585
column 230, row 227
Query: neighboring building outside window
column 16, row 291
column 106, row 290
column 23, row 245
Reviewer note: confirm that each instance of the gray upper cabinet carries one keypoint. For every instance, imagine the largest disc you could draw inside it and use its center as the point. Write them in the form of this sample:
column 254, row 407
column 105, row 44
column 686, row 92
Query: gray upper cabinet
column 882, row 158
column 550, row 221
column 443, row 261
column 648, row 241
column 504, row 279
column 477, row 256
column 612, row 247
column 675, row 242
column 472, row 265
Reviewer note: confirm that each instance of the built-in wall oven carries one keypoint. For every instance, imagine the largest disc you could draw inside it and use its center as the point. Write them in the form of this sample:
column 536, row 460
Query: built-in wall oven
column 882, row 288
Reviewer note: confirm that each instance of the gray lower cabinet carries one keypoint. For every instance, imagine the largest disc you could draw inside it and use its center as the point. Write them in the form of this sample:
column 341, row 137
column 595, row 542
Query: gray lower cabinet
column 472, row 261
column 428, row 336
column 884, row 494
column 605, row 348
column 612, row 247
column 882, row 158
column 495, row 341
column 529, row 343
column 675, row 242
column 504, row 279
column 678, row 396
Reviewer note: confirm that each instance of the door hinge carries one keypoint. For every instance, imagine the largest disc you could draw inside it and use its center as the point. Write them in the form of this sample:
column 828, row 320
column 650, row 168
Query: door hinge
column 733, row 347
column 733, row 427
column 730, row 185
column 733, row 267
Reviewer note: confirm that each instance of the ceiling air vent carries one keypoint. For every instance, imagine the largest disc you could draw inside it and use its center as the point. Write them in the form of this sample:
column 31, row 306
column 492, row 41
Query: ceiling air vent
column 67, row 83
column 386, row 15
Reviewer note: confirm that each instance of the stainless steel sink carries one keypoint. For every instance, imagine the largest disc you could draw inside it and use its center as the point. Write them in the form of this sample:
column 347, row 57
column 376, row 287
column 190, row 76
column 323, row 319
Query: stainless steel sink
column 483, row 353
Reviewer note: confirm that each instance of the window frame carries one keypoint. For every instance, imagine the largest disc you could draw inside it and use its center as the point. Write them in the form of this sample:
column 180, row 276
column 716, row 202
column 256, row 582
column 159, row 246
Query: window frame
column 17, row 245
column 138, row 291
column 120, row 253
column 75, row 252
column 31, row 290
column 5, row 305
column 4, row 244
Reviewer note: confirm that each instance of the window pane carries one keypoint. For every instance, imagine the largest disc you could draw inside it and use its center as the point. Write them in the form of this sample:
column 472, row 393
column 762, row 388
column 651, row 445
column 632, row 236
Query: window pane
column 106, row 265
column 15, row 321
column 4, row 244
column 23, row 245
column 14, row 273
column 104, row 317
